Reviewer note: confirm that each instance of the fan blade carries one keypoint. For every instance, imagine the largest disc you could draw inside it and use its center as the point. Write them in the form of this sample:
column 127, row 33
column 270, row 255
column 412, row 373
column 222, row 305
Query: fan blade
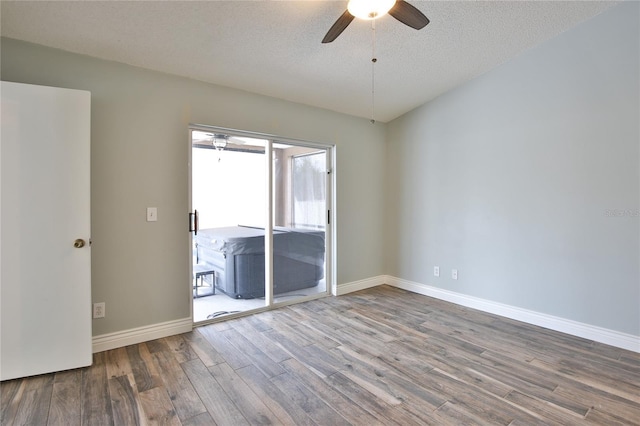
column 408, row 15
column 338, row 27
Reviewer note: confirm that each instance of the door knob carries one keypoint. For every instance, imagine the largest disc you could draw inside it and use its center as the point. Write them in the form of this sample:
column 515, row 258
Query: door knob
column 79, row 243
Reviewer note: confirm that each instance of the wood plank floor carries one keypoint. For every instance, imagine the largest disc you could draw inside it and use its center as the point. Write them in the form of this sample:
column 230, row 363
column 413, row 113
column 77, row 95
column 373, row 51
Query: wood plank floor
column 381, row 356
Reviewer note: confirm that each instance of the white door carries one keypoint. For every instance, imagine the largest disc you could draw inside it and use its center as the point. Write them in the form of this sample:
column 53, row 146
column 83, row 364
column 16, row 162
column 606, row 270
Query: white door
column 45, row 279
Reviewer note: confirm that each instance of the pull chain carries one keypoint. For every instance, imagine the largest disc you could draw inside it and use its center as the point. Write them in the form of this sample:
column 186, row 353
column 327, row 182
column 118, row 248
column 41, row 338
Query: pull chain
column 373, row 70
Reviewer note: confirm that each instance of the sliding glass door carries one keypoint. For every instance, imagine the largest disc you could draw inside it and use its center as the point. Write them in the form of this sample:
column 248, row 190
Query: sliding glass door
column 300, row 222
column 260, row 221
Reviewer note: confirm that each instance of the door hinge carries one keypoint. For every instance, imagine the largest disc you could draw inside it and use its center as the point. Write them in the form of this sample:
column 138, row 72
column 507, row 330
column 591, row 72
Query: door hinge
column 328, row 217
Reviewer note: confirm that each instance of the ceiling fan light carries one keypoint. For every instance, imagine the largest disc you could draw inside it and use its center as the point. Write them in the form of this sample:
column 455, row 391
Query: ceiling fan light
column 219, row 142
column 369, row 9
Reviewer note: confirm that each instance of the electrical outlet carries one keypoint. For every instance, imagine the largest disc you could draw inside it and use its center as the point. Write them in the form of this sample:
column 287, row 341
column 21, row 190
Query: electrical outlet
column 454, row 274
column 436, row 271
column 99, row 310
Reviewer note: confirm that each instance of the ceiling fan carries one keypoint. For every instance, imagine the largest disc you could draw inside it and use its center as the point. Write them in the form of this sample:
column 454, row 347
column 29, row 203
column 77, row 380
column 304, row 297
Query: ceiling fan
column 373, row 9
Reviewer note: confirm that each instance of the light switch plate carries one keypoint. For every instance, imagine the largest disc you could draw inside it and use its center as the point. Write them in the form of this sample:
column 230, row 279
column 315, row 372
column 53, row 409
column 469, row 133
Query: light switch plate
column 454, row 274
column 152, row 214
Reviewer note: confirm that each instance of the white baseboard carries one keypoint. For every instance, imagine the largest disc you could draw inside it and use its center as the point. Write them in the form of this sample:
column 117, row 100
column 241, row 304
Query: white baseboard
column 360, row 285
column 105, row 342
column 591, row 332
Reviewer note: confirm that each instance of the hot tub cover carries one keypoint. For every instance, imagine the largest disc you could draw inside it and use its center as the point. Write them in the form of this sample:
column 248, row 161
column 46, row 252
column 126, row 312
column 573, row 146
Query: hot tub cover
column 299, row 244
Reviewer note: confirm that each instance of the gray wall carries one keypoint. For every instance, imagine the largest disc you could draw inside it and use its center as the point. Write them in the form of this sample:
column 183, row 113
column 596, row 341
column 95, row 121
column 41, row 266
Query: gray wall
column 139, row 159
column 512, row 178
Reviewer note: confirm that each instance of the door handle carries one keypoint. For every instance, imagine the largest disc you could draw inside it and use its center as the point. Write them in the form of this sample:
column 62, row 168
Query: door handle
column 79, row 243
column 193, row 219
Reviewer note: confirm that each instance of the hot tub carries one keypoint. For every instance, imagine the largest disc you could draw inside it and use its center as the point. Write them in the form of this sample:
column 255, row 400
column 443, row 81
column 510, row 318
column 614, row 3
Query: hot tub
column 236, row 255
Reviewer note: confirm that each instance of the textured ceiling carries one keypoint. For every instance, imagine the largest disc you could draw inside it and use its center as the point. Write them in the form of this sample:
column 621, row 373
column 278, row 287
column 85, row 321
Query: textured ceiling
column 273, row 47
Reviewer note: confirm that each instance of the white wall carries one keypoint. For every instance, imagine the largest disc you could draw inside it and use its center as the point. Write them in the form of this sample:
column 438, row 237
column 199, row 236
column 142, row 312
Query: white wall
column 139, row 158
column 512, row 177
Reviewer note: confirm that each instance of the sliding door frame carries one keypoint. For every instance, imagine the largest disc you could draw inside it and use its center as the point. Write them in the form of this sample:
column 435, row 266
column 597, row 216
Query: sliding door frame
column 330, row 229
